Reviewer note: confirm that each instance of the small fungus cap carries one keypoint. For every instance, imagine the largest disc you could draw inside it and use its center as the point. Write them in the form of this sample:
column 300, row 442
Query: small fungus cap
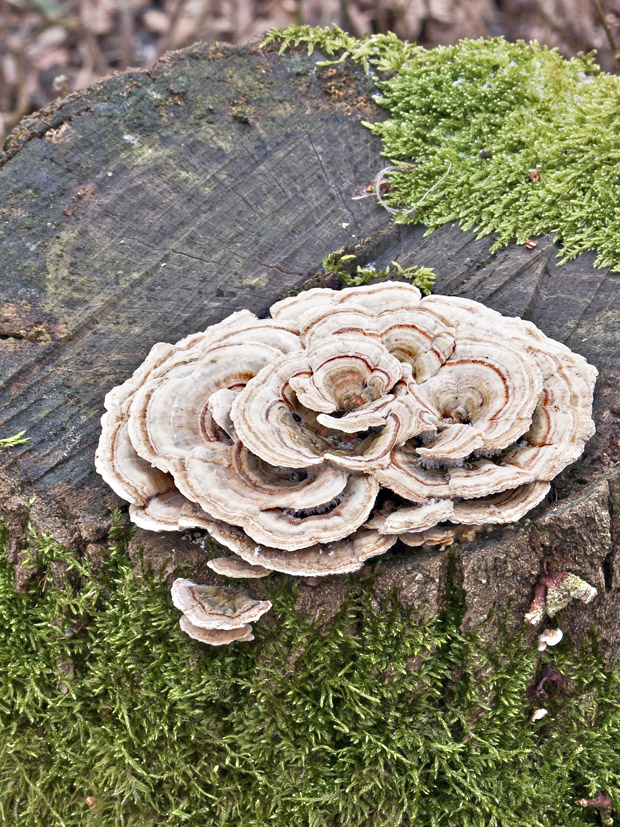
column 216, row 607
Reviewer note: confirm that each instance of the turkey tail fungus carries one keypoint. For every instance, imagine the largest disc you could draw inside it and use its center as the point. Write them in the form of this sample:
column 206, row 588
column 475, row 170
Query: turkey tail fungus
column 312, row 441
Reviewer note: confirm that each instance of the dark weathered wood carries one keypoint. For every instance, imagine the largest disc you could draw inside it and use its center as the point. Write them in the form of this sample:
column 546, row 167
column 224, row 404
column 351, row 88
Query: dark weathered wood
column 156, row 203
column 148, row 206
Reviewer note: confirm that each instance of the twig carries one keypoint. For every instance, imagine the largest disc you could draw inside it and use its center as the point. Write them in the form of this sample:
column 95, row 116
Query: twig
column 610, row 35
column 91, row 41
column 602, row 803
column 22, row 98
column 127, row 31
column 165, row 41
column 5, row 92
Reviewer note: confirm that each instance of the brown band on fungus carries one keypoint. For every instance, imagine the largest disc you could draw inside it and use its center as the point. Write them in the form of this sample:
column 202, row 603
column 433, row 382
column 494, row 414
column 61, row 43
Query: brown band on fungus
column 127, row 474
column 424, row 340
column 284, row 529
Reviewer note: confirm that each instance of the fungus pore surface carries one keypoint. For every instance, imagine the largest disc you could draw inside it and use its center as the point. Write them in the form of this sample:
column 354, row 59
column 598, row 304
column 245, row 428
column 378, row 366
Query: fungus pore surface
column 311, row 441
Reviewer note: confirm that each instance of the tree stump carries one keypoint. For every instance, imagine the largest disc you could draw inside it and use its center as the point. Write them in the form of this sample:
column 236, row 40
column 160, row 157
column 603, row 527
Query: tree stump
column 155, row 203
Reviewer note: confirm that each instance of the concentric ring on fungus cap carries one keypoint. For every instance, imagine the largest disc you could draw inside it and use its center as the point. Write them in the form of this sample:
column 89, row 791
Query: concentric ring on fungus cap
column 311, row 442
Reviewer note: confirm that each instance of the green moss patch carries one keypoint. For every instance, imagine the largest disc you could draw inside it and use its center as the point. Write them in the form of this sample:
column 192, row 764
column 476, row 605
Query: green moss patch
column 505, row 138
column 12, row 441
column 345, row 265
column 111, row 716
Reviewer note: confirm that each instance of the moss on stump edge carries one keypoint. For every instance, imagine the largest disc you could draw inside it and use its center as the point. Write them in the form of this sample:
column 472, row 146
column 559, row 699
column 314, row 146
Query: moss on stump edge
column 509, row 139
column 112, row 716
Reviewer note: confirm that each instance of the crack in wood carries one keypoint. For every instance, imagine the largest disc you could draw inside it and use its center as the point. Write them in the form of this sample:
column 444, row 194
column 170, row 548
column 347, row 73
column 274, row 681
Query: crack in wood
column 535, row 295
column 36, row 126
column 608, row 570
column 279, row 269
column 334, row 190
column 14, row 335
column 585, row 309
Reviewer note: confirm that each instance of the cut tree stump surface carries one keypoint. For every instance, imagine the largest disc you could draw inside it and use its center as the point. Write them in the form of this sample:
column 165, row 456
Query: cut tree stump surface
column 154, row 204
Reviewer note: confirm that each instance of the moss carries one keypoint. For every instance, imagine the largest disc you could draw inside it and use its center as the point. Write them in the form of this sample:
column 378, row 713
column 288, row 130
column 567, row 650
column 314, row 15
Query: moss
column 505, row 138
column 111, row 716
column 345, row 266
column 12, row 441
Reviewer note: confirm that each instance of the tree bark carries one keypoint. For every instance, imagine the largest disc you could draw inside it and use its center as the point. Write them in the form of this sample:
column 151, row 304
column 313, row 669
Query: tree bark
column 154, row 204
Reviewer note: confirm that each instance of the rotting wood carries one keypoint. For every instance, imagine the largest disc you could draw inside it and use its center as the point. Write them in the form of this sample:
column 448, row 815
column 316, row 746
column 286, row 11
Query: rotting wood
column 156, row 203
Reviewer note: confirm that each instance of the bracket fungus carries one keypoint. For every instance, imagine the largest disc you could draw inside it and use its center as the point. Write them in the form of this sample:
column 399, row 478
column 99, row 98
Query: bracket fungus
column 216, row 614
column 313, row 440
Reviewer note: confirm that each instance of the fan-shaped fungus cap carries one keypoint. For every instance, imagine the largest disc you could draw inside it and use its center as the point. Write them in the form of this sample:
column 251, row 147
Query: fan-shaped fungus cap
column 216, row 607
column 236, row 567
column 234, row 485
column 319, row 560
column 281, row 415
column 278, row 435
column 506, row 507
column 160, row 513
column 439, row 535
column 484, row 395
column 169, row 415
column 423, row 342
column 215, row 637
column 377, row 297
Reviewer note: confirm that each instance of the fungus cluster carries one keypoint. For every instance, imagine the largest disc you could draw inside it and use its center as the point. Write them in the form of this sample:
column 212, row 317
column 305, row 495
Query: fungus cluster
column 311, row 441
